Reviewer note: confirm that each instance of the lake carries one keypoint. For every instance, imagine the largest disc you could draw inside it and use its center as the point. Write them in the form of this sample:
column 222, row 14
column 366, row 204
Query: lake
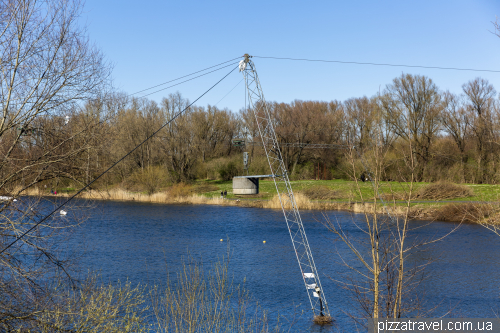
column 142, row 242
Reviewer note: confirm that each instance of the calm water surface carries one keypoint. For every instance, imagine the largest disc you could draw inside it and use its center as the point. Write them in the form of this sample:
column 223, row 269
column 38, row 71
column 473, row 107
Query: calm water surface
column 141, row 242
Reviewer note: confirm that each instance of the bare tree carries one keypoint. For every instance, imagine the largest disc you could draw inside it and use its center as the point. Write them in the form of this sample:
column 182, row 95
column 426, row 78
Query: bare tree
column 177, row 140
column 496, row 25
column 47, row 67
column 412, row 104
column 305, row 122
column 480, row 101
column 214, row 130
column 384, row 283
column 360, row 117
column 456, row 122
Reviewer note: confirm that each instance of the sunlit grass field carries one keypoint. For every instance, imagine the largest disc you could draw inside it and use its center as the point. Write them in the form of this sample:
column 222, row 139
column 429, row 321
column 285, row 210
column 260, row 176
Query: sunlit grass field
column 348, row 190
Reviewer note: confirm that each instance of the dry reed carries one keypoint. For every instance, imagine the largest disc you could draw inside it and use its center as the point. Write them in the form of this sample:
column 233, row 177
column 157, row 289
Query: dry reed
column 302, row 202
column 466, row 212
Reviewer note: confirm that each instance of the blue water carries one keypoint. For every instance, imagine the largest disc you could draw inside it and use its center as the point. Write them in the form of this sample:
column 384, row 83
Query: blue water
column 142, row 242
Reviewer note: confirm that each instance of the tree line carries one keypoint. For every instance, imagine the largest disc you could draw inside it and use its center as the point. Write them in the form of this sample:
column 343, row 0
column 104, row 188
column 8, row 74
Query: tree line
column 453, row 137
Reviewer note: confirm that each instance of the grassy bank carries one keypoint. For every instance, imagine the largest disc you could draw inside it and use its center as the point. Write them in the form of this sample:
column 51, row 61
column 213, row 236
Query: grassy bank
column 467, row 204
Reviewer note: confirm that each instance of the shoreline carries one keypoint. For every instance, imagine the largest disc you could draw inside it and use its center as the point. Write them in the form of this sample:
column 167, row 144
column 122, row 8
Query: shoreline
column 471, row 212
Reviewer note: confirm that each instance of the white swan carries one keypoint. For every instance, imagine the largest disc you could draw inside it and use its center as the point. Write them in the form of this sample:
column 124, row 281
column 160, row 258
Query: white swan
column 63, row 212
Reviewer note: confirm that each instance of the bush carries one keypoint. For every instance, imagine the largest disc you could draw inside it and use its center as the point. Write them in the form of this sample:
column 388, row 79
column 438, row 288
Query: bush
column 469, row 212
column 207, row 300
column 304, row 171
column 224, row 168
column 259, row 165
column 180, row 190
column 444, row 190
column 228, row 171
column 150, row 180
column 91, row 308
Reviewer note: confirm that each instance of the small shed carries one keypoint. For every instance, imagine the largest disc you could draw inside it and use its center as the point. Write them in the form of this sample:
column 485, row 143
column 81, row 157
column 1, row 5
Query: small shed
column 247, row 184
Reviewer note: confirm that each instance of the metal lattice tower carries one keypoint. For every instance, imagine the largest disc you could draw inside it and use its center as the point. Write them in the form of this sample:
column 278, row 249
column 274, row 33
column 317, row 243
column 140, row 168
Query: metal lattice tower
column 280, row 175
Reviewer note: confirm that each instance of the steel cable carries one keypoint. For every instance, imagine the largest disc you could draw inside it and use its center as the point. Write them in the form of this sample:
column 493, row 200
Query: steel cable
column 113, row 165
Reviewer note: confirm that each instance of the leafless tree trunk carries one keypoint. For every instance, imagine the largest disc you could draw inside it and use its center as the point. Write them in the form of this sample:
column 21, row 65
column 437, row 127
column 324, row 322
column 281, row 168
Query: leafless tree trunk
column 456, row 121
column 480, row 99
column 47, row 68
column 412, row 104
column 496, row 25
column 384, row 281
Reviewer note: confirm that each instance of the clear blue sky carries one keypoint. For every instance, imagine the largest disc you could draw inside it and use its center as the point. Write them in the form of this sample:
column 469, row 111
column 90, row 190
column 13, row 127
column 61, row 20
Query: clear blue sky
column 151, row 42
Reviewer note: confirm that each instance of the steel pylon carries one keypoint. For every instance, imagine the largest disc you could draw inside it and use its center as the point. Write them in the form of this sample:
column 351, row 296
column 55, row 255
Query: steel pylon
column 280, row 175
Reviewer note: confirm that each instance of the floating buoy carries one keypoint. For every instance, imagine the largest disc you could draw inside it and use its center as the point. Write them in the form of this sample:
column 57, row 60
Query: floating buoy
column 264, row 242
column 221, row 239
column 63, row 212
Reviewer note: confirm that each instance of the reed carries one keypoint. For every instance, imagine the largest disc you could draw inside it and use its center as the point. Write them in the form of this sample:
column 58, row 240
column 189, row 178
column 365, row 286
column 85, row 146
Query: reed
column 183, row 195
column 302, row 201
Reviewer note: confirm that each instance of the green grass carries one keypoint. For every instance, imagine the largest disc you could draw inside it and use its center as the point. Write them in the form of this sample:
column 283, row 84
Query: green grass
column 347, row 189
column 63, row 189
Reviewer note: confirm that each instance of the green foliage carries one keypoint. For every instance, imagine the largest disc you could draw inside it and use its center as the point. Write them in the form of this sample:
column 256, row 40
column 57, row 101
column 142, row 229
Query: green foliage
column 224, row 168
column 228, row 171
column 304, row 171
column 66, row 190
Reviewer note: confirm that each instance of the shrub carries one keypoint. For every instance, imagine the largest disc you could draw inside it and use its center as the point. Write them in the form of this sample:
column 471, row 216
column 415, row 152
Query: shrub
column 444, row 190
column 305, row 171
column 90, row 308
column 259, row 165
column 180, row 190
column 228, row 171
column 224, row 168
column 469, row 212
column 150, row 179
column 207, row 300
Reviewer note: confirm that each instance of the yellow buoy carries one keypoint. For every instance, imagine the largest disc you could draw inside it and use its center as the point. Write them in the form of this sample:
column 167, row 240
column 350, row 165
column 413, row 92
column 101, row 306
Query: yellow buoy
column 264, row 242
column 221, row 239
